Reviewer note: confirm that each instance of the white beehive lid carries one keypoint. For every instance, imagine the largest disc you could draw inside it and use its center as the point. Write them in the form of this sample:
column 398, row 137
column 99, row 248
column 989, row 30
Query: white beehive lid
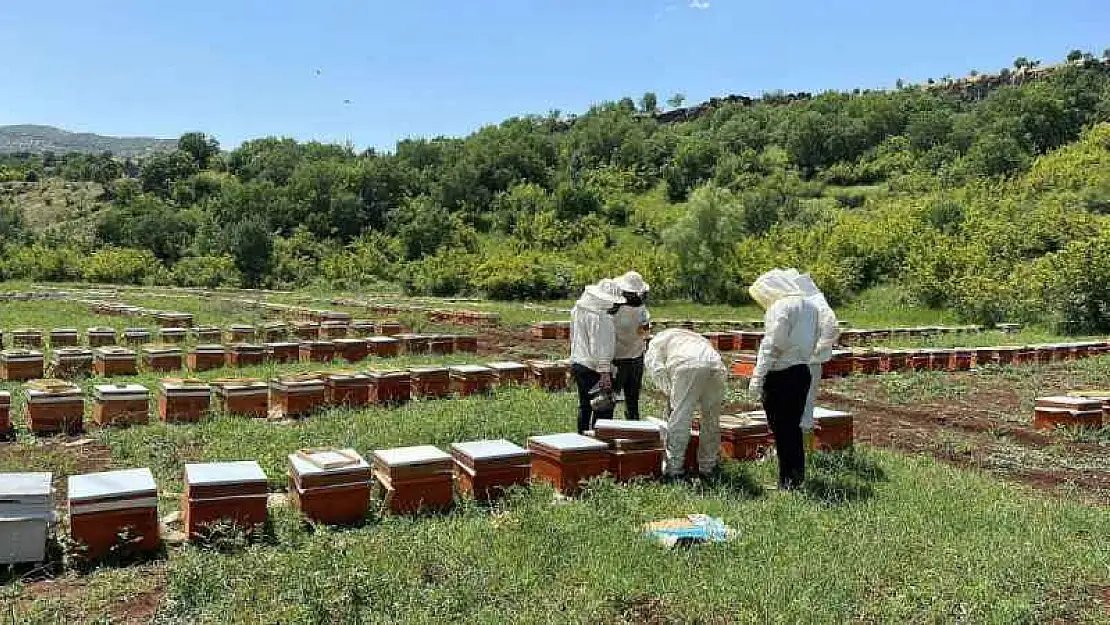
column 489, row 450
column 383, row 339
column 64, row 331
column 209, row 349
column 507, row 366
column 282, row 344
column 25, row 486
column 469, row 369
column 112, row 484
column 408, row 456
column 824, row 413
column 568, row 442
column 620, row 424
column 1074, row 402
column 136, row 391
column 302, row 466
column 222, row 473
column 115, row 352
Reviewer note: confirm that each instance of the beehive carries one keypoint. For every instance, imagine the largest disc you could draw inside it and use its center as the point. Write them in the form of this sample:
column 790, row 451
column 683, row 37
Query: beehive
column 6, row 430
column 101, row 336
column 466, row 344
column 919, row 360
column 743, row 366
column 121, row 404
column 549, row 375
column 241, row 334
column 317, row 351
column 562, row 329
column 55, row 407
column 635, row 448
column 352, row 350
column 838, row 366
column 162, row 358
column 208, row 334
column 306, row 330
column 183, row 401
column 390, row 328
column 485, row 469
column 115, row 361
column 509, row 373
column 330, row 330
column 20, row 364
column 388, row 387
column 330, row 486
column 245, row 355
column 296, row 395
column 173, row 319
column 71, row 362
column 749, row 340
column 984, row 356
column 1044, row 354
column 413, row 344
column 64, row 337
column 745, row 436
column 206, row 357
column 136, row 336
column 415, row 479
column 566, row 460
column 430, row 382
column 274, row 332
column 893, row 361
column 833, row 429
column 347, row 389
column 721, row 341
column 26, row 514
column 441, row 344
column 223, row 492
column 172, row 336
column 246, row 397
column 384, row 346
column 960, row 360
column 1074, row 412
column 469, row 380
column 361, row 328
column 865, row 363
column 103, row 506
column 544, row 330
column 26, row 337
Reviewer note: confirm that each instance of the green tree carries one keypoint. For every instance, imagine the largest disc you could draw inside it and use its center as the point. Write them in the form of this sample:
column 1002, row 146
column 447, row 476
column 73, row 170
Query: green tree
column 1075, row 55
column 161, row 171
column 200, row 146
column 677, row 100
column 251, row 244
column 701, row 240
column 649, row 103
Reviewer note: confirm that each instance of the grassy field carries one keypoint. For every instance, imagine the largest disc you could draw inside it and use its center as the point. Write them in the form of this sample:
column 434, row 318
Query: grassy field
column 878, row 535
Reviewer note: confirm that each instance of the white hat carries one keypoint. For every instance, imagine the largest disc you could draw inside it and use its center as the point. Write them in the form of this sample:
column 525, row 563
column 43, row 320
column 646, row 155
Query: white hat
column 633, row 282
column 771, row 287
column 606, row 291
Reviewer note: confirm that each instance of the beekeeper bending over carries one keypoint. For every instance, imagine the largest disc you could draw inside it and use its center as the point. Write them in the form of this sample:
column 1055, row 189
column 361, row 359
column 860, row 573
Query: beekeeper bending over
column 828, row 336
column 632, row 322
column 592, row 342
column 782, row 379
column 685, row 367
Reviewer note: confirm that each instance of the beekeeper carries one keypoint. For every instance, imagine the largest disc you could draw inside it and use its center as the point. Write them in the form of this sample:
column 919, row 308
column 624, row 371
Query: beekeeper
column 632, row 322
column 781, row 379
column 685, row 367
column 592, row 343
column 828, row 337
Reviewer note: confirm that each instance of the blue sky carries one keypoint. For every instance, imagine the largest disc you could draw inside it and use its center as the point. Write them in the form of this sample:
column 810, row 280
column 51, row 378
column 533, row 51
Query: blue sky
column 240, row 69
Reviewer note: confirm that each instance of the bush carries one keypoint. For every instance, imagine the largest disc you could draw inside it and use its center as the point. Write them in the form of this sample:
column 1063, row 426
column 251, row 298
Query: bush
column 120, row 266
column 43, row 262
column 443, row 274
column 534, row 276
column 206, row 271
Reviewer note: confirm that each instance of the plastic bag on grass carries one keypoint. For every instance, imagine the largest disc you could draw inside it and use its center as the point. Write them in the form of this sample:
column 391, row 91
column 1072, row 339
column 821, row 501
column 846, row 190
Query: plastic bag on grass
column 694, row 529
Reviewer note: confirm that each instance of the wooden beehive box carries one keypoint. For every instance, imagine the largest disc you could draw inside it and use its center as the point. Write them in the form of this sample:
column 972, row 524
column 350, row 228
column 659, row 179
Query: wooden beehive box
column 64, row 337
column 352, row 350
column 466, row 344
column 6, row 430
column 26, row 514
column 984, row 356
column 306, row 330
column 745, row 436
column 223, row 492
column 246, row 397
column 566, row 460
column 241, row 334
column 721, row 341
column 183, row 401
column 136, row 336
column 743, row 366
column 206, row 357
column 208, row 334
column 26, row 337
column 415, row 479
column 297, row 395
column 413, row 344
column 330, row 486
column 389, row 387
column 71, row 362
column 430, row 382
column 114, row 361
column 838, row 366
column 485, row 469
column 173, row 319
column 283, row 352
column 172, row 336
column 384, row 346
column 749, row 340
column 544, row 330
column 20, row 364
column 275, row 332
column 441, row 344
column 1063, row 411
column 317, row 351
column 55, row 407
column 865, row 363
column 361, row 328
column 104, row 506
column 245, row 355
column 550, row 375
column 509, row 373
column 330, row 330
column 347, row 389
column 101, row 336
column 833, row 429
column 390, row 328
column 469, row 380
column 121, row 404
column 960, row 359
column 162, row 358
column 635, row 448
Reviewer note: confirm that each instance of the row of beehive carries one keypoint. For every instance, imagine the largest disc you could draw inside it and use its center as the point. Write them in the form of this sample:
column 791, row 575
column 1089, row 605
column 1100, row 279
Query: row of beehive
column 748, row 337
column 56, row 406
column 461, row 317
column 164, row 318
column 877, row 361
column 72, row 362
column 335, row 486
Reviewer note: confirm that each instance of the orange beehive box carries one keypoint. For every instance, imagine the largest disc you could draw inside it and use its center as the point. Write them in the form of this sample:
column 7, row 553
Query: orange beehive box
column 64, row 337
column 104, row 506
column 833, row 429
column 283, row 352
column 545, row 330
column 743, row 366
column 566, row 460
column 296, row 396
column 352, row 350
column 206, row 357
column 485, row 469
column 384, row 346
column 893, row 361
column 223, row 492
column 415, row 479
column 5, row 415
column 390, row 328
column 919, row 361
column 173, row 319
column 172, row 336
column 960, row 360
column 26, row 337
column 245, row 355
column 274, row 332
column 330, row 486
column 865, row 363
column 562, row 329
column 744, row 437
column 838, row 366
column 317, row 351
column 208, row 334
column 508, row 373
column 162, row 359
column 389, row 387
column 430, row 382
column 330, row 330
column 984, row 356
column 55, row 407
column 721, row 341
column 441, row 344
column 635, row 448
column 1076, row 412
column 183, row 401
column 469, row 380
column 361, row 328
column 749, row 340
column 413, row 344
column 241, row 334
column 136, row 336
column 121, row 404
column 20, row 364
column 71, row 362
column 112, row 361
column 247, row 397
column 550, row 375
column 347, row 389
column 101, row 337
column 306, row 330
column 466, row 344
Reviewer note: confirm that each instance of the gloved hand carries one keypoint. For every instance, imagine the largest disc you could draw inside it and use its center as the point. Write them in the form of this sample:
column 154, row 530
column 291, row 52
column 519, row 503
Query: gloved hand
column 755, row 389
column 606, row 382
column 809, row 441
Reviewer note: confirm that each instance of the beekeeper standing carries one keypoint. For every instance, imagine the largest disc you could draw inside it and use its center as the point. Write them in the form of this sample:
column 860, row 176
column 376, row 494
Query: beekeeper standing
column 632, row 322
column 686, row 368
column 592, row 343
column 782, row 375
column 827, row 338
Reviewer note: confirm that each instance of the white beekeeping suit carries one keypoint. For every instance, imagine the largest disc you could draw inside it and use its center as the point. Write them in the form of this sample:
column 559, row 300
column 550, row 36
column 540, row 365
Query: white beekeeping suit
column 828, row 336
column 789, row 325
column 691, row 373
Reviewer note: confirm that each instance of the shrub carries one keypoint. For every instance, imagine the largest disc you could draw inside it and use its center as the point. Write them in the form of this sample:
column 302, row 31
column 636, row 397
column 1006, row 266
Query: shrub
column 120, row 265
column 43, row 262
column 445, row 273
column 206, row 271
column 531, row 276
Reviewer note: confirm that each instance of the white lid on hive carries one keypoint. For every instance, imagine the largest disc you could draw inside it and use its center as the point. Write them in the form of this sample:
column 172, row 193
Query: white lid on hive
column 222, row 473
column 825, row 413
column 64, row 331
column 489, row 450
column 316, row 462
column 383, row 339
column 132, row 483
column 408, row 456
column 1070, row 402
column 24, row 486
column 470, row 369
column 507, row 366
column 602, row 425
column 115, row 352
column 209, row 349
column 568, row 442
column 391, row 373
column 120, row 391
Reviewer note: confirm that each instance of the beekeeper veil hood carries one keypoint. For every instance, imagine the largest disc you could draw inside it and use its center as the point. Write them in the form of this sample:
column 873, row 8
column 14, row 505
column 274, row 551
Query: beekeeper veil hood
column 601, row 296
column 773, row 286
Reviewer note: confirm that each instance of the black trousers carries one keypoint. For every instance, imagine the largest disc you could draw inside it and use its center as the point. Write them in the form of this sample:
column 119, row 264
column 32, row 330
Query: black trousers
column 586, row 378
column 784, row 400
column 629, row 380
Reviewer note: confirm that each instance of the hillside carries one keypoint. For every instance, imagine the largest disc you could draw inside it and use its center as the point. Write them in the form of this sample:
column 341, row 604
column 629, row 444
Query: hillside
column 38, row 139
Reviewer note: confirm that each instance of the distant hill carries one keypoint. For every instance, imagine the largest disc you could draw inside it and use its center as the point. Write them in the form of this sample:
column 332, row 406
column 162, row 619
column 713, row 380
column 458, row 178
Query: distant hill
column 38, row 139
